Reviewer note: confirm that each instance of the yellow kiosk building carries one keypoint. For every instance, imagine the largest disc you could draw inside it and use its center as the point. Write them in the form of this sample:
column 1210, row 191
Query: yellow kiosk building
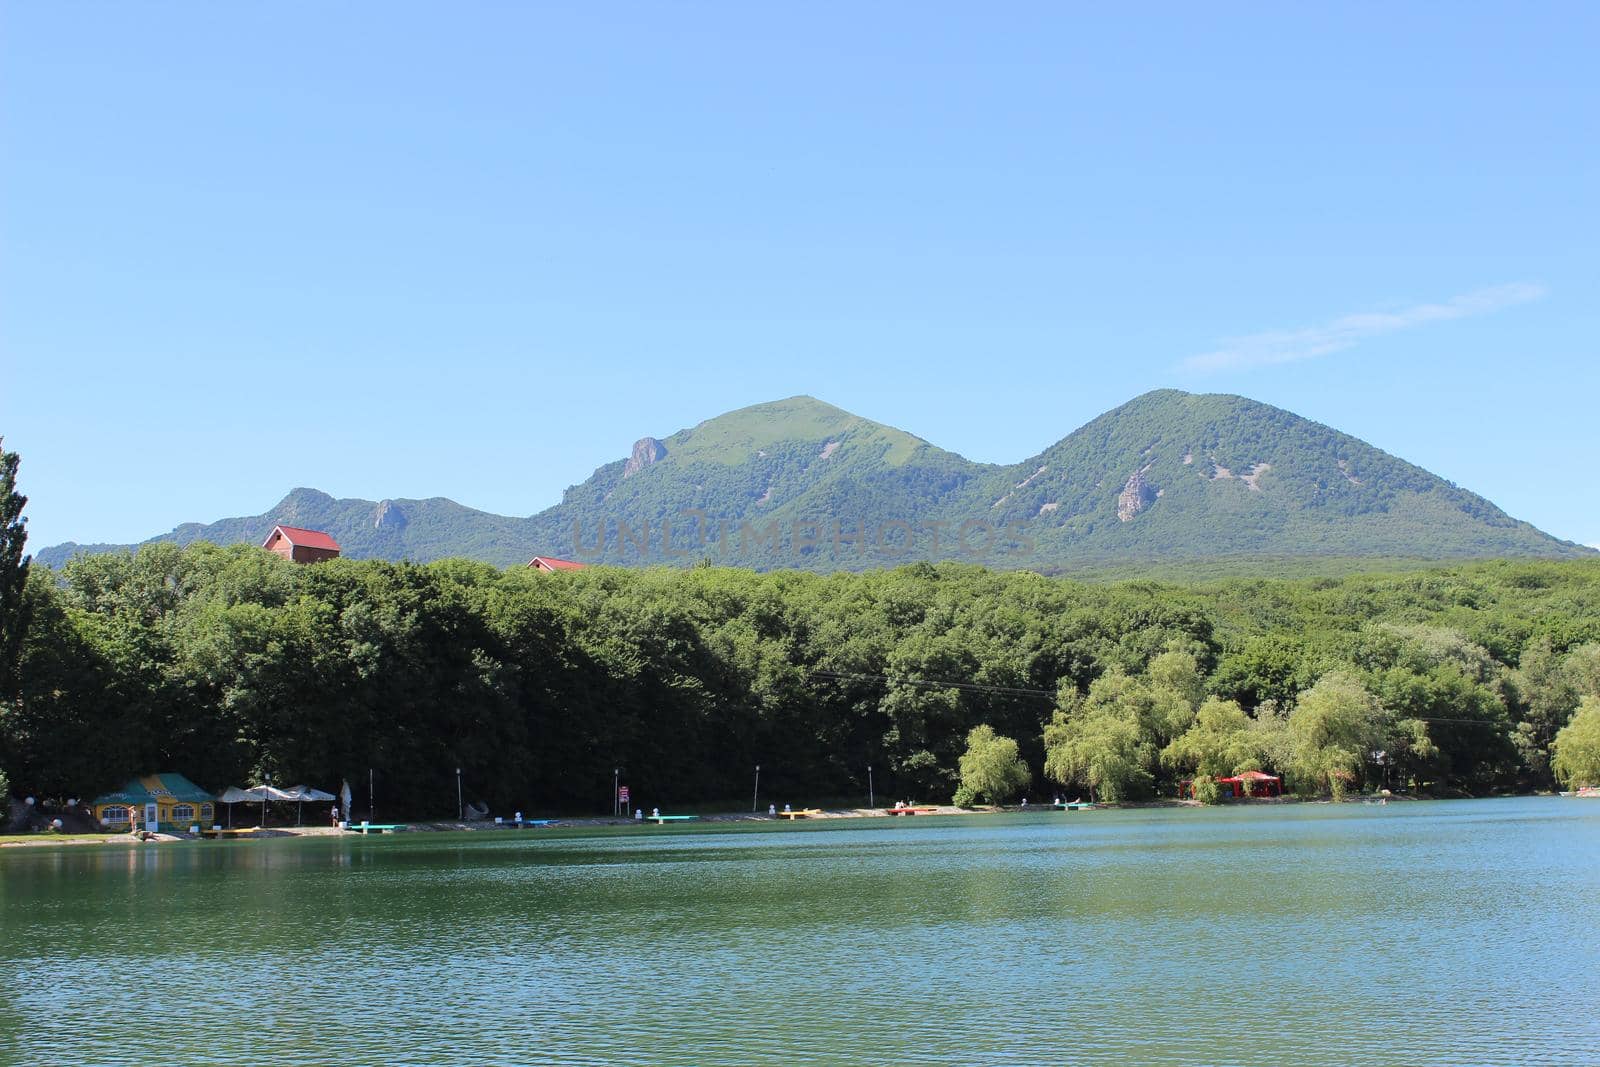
column 157, row 802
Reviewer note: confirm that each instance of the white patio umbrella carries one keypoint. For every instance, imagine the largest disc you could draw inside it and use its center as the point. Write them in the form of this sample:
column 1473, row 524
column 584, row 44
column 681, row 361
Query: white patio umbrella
column 344, row 799
column 264, row 793
column 303, row 793
column 234, row 795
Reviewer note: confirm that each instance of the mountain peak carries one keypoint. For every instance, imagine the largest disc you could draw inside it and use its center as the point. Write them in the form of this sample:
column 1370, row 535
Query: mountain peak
column 748, row 432
column 303, row 496
column 791, row 411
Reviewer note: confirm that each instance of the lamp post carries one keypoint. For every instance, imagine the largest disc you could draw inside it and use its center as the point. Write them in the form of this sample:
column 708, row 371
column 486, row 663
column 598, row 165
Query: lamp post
column 872, row 798
column 755, row 797
column 616, row 791
column 460, row 811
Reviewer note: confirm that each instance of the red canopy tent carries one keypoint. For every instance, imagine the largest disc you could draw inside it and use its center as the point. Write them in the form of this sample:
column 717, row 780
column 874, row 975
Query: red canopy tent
column 1253, row 784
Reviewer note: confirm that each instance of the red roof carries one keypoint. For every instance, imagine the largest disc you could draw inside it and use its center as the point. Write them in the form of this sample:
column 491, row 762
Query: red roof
column 550, row 563
column 1250, row 776
column 304, row 538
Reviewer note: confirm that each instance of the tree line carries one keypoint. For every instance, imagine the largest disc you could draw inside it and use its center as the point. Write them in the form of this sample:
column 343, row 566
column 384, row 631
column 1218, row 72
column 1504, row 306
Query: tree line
column 227, row 664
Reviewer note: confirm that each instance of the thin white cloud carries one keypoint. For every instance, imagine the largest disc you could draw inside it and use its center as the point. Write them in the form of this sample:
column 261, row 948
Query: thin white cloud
column 1291, row 346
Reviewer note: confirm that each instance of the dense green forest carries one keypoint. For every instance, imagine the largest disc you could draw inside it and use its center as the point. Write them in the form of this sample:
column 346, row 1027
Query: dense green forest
column 227, row 663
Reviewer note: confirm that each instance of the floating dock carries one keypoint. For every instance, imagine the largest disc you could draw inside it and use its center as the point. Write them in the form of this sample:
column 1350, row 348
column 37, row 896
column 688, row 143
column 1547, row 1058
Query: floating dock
column 804, row 813
column 375, row 827
column 1074, row 805
column 910, row 810
column 660, row 820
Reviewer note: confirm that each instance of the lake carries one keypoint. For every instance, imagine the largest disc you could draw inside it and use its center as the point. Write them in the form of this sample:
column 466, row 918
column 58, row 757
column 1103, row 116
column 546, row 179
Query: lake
column 1442, row 933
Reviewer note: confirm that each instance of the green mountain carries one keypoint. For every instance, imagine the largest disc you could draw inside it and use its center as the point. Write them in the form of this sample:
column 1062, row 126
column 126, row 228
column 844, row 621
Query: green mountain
column 1169, row 477
column 419, row 530
column 1176, row 475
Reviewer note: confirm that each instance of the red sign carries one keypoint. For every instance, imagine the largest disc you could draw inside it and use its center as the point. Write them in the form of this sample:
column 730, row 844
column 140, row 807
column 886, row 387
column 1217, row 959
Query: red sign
column 622, row 794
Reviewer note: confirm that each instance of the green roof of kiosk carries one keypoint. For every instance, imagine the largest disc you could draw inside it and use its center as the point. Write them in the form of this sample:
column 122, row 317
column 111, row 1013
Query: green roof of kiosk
column 149, row 787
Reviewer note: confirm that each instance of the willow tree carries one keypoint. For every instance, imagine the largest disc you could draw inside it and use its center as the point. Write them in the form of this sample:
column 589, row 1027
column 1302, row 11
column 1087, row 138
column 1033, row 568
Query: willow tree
column 1098, row 743
column 1221, row 742
column 991, row 769
column 1335, row 728
column 1577, row 746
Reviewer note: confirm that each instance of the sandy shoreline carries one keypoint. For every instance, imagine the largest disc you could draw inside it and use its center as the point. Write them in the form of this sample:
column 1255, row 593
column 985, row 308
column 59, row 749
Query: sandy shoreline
column 555, row 822
column 449, row 825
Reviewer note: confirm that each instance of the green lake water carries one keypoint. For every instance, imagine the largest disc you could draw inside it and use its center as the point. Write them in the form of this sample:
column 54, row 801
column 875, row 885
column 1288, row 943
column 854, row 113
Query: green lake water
column 1449, row 933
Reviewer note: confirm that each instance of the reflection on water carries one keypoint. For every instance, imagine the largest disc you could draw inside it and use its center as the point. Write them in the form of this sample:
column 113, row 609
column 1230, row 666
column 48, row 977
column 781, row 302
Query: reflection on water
column 1438, row 933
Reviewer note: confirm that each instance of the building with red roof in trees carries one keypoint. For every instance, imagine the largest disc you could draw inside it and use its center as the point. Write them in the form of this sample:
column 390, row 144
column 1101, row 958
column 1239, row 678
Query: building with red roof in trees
column 551, row 564
column 1246, row 785
column 301, row 546
column 1254, row 784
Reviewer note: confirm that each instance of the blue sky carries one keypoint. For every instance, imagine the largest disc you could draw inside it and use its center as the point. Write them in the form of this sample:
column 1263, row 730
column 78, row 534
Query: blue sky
column 476, row 250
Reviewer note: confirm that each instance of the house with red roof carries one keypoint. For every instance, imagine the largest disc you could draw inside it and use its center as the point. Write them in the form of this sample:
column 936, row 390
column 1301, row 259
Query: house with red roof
column 301, row 546
column 551, row 564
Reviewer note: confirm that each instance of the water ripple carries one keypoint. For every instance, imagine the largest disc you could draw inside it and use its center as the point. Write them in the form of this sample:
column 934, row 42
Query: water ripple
column 1430, row 934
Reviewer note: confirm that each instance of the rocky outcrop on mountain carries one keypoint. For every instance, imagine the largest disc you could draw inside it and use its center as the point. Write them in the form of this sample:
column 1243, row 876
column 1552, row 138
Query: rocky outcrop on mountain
column 646, row 451
column 388, row 516
column 1136, row 495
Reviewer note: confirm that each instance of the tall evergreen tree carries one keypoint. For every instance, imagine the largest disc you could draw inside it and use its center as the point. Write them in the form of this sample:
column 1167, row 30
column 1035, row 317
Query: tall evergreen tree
column 13, row 573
